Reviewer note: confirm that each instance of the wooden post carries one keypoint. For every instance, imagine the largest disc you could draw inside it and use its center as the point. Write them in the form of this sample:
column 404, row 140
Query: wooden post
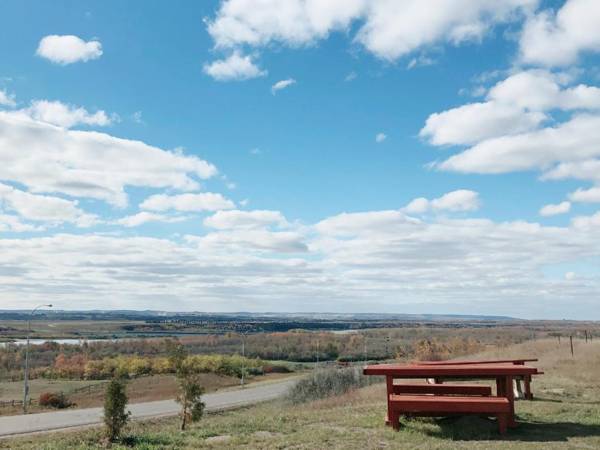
column 389, row 418
column 571, row 340
column 585, row 336
column 510, row 395
column 559, row 339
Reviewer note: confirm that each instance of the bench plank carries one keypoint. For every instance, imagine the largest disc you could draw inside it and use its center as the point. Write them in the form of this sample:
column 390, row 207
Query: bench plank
column 415, row 405
column 444, row 389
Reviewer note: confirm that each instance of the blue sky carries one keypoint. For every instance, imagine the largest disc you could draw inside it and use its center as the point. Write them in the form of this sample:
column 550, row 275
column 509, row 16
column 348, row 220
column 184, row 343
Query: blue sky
column 301, row 156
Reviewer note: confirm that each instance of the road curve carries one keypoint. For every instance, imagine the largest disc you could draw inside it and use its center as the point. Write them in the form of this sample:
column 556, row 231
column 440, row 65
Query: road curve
column 217, row 401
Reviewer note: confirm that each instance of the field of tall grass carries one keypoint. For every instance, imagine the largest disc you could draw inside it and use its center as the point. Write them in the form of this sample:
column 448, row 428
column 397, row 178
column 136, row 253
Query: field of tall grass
column 565, row 414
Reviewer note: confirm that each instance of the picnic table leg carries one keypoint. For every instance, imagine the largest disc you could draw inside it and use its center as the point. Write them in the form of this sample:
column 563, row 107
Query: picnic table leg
column 500, row 387
column 390, row 390
column 527, row 382
column 510, row 395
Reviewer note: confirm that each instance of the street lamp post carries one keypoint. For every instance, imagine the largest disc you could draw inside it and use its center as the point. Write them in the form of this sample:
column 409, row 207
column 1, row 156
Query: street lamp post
column 243, row 356
column 26, row 378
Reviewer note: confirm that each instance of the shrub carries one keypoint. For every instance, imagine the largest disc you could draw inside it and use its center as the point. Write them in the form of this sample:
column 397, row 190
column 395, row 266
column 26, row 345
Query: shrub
column 56, row 400
column 328, row 383
column 276, row 368
column 115, row 402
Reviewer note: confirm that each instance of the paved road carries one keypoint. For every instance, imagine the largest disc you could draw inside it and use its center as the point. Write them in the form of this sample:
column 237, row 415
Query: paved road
column 50, row 421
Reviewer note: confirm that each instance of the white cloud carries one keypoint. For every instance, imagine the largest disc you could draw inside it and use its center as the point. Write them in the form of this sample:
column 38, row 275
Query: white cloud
column 380, row 137
column 282, row 84
column 557, row 39
column 553, row 210
column 143, row 217
column 515, row 105
column 64, row 115
column 586, row 169
column 68, row 49
column 7, row 99
column 417, row 206
column 539, row 90
column 43, row 208
column 387, row 28
column 89, row 164
column 251, row 240
column 234, row 67
column 591, row 195
column 587, row 222
column 477, row 121
column 532, row 120
column 460, row 200
column 455, row 201
column 244, row 219
column 575, row 140
column 377, row 259
column 204, row 201
column 14, row 224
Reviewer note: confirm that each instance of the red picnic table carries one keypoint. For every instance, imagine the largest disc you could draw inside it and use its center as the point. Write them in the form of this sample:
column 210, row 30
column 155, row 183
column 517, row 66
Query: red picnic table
column 502, row 405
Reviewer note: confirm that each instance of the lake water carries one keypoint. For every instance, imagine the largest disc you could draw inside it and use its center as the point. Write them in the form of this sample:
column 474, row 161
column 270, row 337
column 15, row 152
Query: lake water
column 58, row 341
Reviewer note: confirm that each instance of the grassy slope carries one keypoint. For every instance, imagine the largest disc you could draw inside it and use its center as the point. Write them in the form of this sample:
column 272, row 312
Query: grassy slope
column 566, row 414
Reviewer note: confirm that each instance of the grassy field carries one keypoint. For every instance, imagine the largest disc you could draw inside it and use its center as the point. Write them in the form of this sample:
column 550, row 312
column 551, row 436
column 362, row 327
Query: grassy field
column 65, row 328
column 565, row 414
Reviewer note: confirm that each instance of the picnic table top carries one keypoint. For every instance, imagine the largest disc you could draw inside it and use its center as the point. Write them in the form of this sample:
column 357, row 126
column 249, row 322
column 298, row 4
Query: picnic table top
column 433, row 371
column 464, row 362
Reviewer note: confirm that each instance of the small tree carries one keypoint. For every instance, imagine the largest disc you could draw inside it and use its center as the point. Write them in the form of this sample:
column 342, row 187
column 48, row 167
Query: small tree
column 190, row 398
column 190, row 387
column 115, row 402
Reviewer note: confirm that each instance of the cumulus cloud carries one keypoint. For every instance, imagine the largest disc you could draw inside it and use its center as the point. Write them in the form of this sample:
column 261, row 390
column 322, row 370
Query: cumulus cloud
column 7, row 99
column 12, row 223
column 532, row 120
column 43, row 208
column 557, row 38
column 89, row 164
column 587, row 222
column 143, row 217
column 515, row 105
column 576, row 140
column 252, row 240
column 388, row 29
column 204, row 201
column 68, row 49
column 591, row 195
column 244, row 219
column 460, row 200
column 64, row 115
column 477, row 121
column 553, row 210
column 540, row 90
column 282, row 84
column 234, row 68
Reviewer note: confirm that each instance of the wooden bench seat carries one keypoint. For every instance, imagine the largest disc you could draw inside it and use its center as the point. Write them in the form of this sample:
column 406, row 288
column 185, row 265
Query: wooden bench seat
column 416, row 405
column 444, row 389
